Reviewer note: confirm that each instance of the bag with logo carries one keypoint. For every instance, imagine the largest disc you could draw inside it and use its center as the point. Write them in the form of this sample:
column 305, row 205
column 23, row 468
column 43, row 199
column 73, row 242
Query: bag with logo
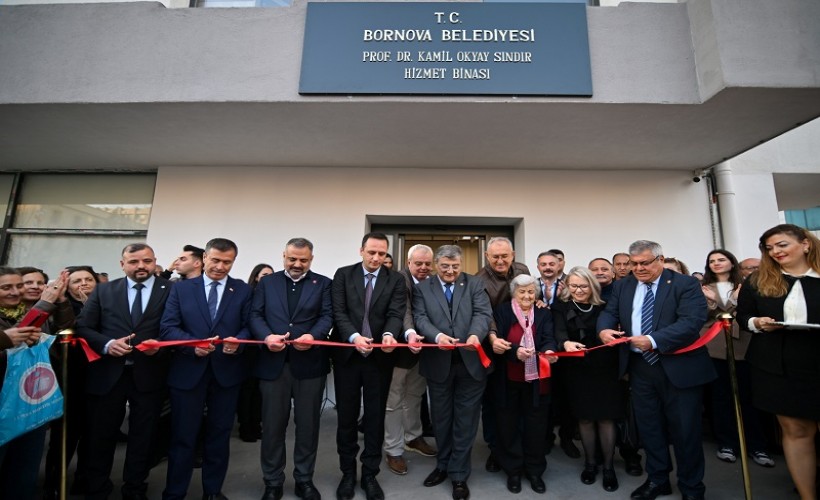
column 30, row 396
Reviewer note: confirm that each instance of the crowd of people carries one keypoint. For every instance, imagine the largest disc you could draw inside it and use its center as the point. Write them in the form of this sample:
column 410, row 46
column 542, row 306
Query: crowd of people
column 520, row 354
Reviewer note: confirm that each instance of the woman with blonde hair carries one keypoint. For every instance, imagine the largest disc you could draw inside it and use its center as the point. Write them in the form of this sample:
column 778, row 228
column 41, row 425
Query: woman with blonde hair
column 780, row 305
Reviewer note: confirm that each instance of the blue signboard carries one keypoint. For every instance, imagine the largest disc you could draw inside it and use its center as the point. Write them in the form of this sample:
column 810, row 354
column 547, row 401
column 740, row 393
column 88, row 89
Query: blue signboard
column 446, row 48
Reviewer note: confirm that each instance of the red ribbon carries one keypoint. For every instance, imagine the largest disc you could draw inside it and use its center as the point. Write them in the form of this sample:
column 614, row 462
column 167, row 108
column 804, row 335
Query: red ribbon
column 154, row 344
column 707, row 337
column 90, row 353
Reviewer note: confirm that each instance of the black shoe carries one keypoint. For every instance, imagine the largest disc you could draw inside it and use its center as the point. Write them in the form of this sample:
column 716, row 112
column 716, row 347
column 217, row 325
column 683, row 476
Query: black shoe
column 307, row 491
column 372, row 490
column 570, row 449
column 347, row 487
column 650, row 491
column 273, row 493
column 215, row 496
column 610, row 480
column 589, row 473
column 460, row 490
column 514, row 483
column 435, row 478
column 537, row 484
column 492, row 465
column 633, row 465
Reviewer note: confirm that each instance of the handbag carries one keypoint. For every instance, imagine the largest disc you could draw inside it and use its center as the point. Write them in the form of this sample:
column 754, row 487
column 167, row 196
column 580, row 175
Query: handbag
column 30, row 396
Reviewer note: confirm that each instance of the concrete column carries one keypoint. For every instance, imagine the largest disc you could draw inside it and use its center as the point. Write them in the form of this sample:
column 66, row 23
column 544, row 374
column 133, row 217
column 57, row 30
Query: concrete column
column 727, row 205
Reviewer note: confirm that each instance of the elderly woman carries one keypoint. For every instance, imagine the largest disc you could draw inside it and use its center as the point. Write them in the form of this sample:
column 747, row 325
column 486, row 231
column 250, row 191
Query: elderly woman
column 522, row 398
column 596, row 398
column 778, row 304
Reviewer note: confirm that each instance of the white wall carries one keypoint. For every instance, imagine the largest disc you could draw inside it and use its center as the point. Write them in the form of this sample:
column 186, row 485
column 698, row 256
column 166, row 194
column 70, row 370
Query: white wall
column 587, row 214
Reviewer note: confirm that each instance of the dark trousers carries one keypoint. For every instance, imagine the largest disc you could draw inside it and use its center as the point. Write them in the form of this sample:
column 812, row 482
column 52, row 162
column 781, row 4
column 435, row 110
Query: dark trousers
column 20, row 464
column 187, row 407
column 361, row 378
column 104, row 417
column 724, row 424
column 456, row 408
column 522, row 429
column 560, row 412
column 668, row 415
column 307, row 406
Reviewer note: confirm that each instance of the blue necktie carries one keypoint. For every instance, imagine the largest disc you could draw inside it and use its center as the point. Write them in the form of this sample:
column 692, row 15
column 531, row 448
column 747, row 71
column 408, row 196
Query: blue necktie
column 213, row 298
column 647, row 312
column 136, row 307
column 368, row 294
column 448, row 292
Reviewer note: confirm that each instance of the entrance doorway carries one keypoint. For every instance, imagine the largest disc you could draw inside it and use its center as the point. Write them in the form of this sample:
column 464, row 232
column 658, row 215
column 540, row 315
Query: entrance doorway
column 471, row 239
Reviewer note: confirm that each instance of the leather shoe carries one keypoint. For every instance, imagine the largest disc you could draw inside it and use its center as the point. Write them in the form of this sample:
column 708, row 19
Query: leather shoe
column 570, row 449
column 610, row 480
column 372, row 490
column 273, row 493
column 347, row 487
column 537, row 484
column 589, row 473
column 460, row 490
column 435, row 478
column 492, row 465
column 215, row 496
column 307, row 491
column 514, row 483
column 397, row 465
column 650, row 491
column 420, row 446
column 633, row 466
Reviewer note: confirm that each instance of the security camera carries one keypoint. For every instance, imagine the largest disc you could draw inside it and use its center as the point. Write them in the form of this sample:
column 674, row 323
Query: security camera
column 696, row 178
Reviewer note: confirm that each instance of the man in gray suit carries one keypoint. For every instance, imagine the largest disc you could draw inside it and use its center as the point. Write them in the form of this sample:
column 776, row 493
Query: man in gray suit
column 453, row 308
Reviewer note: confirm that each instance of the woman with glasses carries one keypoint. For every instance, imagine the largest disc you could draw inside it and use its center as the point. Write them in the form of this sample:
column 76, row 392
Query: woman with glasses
column 596, row 396
column 780, row 305
column 721, row 285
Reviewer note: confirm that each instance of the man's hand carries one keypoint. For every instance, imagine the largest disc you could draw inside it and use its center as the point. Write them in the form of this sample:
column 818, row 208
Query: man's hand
column 414, row 340
column 446, row 342
column 551, row 357
column 172, row 266
column 230, row 345
column 204, row 351
column 572, row 346
column 276, row 343
column 303, row 342
column 472, row 343
column 388, row 340
column 362, row 344
column 608, row 336
column 28, row 334
column 500, row 346
column 641, row 342
column 524, row 354
column 121, row 347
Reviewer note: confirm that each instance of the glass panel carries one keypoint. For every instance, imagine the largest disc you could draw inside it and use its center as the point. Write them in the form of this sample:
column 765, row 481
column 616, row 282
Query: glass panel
column 52, row 253
column 74, row 201
column 6, row 183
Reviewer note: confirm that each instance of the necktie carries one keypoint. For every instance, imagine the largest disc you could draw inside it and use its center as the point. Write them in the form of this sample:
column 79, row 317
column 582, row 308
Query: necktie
column 368, row 293
column 448, row 292
column 212, row 298
column 136, row 307
column 647, row 311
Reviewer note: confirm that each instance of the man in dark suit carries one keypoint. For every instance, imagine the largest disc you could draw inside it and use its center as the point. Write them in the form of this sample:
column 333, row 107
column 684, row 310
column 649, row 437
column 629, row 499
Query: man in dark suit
column 369, row 304
column 117, row 316
column 662, row 311
column 209, row 307
column 448, row 309
column 293, row 304
column 402, row 422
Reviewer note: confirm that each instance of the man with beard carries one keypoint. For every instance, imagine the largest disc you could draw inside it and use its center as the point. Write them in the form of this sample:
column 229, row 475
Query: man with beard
column 118, row 315
column 188, row 264
column 604, row 274
column 550, row 268
column 292, row 304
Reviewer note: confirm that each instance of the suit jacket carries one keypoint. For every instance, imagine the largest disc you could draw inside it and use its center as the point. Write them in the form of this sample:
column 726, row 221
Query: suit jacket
column 404, row 357
column 388, row 305
column 679, row 314
column 106, row 316
column 471, row 315
column 187, row 318
column 313, row 314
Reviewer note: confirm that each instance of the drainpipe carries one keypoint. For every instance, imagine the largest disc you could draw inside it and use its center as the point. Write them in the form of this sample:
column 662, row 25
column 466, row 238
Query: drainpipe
column 727, row 206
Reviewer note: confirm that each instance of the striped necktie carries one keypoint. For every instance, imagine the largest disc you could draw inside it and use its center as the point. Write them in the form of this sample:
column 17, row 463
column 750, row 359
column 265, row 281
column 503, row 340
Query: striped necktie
column 647, row 312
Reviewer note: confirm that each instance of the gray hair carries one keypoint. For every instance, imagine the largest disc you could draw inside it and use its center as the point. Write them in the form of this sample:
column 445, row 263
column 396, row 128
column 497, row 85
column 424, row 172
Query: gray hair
column 641, row 246
column 416, row 248
column 499, row 239
column 586, row 275
column 448, row 252
column 299, row 243
column 524, row 280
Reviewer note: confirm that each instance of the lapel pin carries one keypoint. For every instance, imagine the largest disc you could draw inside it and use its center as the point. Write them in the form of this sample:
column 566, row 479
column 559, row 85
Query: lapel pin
column 230, row 289
column 461, row 284
column 314, row 282
column 668, row 281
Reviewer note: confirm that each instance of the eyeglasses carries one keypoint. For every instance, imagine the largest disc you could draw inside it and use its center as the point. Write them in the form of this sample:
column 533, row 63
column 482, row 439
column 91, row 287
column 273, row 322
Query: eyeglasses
column 447, row 267
column 578, row 287
column 632, row 263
